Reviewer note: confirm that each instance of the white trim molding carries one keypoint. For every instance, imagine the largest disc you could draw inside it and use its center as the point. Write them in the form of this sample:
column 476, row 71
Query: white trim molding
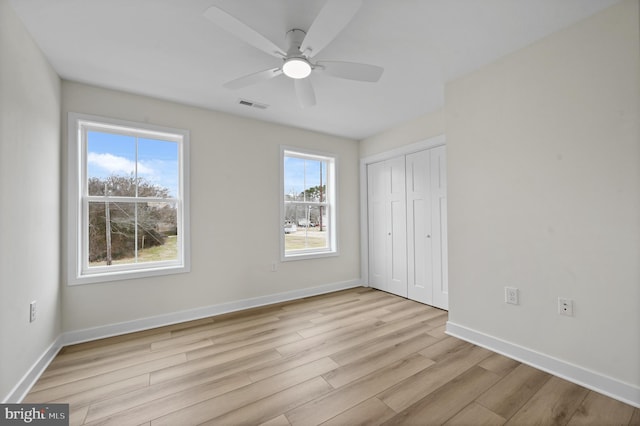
column 22, row 388
column 614, row 388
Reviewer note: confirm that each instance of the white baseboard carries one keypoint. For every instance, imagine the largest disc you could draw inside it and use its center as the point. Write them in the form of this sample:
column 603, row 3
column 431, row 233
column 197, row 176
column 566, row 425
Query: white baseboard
column 84, row 335
column 625, row 392
column 21, row 389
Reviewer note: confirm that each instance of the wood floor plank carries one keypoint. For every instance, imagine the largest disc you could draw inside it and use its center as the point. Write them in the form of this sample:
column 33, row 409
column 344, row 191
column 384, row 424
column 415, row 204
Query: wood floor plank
column 215, row 407
column 324, row 408
column 374, row 308
column 173, row 388
column 371, row 412
column 213, row 367
column 332, row 326
column 372, row 346
column 600, row 409
column 223, row 334
column 73, row 387
column 357, row 356
column 356, row 334
column 349, row 372
column 145, row 406
column 476, row 415
column 235, row 350
column 360, row 328
column 422, row 384
column 445, row 348
column 100, row 366
column 281, row 420
column 554, row 404
column 95, row 395
column 514, row 390
column 77, row 415
column 343, row 341
column 81, row 358
column 501, row 365
column 442, row 404
column 266, row 408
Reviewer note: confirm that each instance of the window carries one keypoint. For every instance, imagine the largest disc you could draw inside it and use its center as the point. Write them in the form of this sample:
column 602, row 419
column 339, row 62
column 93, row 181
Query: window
column 128, row 195
column 307, row 204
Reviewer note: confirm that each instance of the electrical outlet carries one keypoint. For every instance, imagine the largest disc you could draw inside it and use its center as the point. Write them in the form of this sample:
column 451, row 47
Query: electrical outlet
column 32, row 311
column 511, row 295
column 565, row 306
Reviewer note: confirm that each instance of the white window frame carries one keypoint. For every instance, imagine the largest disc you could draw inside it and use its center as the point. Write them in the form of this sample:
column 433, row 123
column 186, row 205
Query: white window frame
column 331, row 203
column 78, row 271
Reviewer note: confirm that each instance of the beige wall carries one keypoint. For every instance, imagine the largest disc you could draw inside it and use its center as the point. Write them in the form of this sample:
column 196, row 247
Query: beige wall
column 416, row 130
column 29, row 201
column 544, row 195
column 235, row 227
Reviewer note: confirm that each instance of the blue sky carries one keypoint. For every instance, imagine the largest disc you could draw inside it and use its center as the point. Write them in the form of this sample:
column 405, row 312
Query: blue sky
column 301, row 174
column 109, row 154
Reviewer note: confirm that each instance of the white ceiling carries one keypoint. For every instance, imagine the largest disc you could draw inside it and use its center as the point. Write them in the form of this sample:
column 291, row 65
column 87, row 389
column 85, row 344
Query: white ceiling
column 167, row 49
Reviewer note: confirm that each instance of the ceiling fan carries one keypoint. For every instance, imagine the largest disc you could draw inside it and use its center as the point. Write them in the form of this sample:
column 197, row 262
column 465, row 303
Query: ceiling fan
column 302, row 46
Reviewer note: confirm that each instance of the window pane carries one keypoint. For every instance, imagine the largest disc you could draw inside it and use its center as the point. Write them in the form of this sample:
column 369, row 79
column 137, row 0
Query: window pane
column 158, row 168
column 293, row 178
column 315, row 177
column 154, row 228
column 157, row 232
column 111, row 233
column 307, row 234
column 305, row 179
column 111, row 163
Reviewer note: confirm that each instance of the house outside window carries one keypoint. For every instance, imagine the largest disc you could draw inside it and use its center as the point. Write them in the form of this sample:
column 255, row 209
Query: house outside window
column 128, row 200
column 308, row 206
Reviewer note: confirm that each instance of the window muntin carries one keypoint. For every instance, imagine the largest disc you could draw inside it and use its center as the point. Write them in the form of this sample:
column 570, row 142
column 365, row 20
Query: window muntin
column 131, row 200
column 308, row 199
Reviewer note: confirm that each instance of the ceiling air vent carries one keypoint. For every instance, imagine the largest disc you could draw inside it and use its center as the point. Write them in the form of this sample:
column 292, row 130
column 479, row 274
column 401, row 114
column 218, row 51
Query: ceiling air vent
column 253, row 104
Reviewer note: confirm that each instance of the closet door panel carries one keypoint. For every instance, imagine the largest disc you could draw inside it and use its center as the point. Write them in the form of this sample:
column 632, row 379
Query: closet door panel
column 376, row 184
column 419, row 280
column 439, row 226
column 397, row 235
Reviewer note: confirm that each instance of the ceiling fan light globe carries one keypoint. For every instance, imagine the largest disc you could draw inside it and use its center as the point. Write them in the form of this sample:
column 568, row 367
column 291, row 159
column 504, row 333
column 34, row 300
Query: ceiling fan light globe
column 296, row 68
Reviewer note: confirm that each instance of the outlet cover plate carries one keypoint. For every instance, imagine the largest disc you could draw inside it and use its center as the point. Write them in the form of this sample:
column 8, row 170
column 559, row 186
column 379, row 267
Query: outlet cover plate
column 565, row 306
column 511, row 295
column 32, row 311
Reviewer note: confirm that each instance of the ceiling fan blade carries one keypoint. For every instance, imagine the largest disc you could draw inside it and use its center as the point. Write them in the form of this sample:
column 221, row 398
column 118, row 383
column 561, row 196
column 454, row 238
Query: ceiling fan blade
column 304, row 91
column 242, row 31
column 351, row 70
column 254, row 78
column 334, row 16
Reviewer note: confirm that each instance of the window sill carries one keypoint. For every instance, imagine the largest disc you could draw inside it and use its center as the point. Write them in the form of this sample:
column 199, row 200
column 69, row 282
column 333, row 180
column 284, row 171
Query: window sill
column 308, row 255
column 111, row 276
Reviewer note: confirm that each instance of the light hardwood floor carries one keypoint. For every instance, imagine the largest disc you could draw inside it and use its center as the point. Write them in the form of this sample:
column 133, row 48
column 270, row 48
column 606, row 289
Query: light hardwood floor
column 358, row 356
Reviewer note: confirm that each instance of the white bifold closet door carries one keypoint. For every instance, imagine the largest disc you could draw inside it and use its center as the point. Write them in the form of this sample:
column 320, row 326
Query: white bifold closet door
column 407, row 211
column 387, row 226
column 427, row 227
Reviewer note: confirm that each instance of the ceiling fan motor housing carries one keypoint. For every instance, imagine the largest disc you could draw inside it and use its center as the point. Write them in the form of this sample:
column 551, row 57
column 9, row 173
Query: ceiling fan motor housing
column 296, row 65
column 294, row 40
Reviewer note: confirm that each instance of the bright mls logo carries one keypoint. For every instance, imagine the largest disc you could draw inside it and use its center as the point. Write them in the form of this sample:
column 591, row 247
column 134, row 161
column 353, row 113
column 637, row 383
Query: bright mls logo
column 36, row 414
